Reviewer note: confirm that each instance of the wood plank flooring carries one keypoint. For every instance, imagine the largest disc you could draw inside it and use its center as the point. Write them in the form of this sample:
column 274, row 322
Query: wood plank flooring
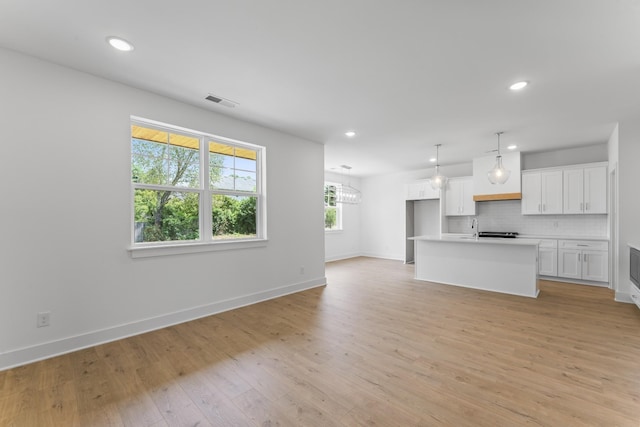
column 374, row 347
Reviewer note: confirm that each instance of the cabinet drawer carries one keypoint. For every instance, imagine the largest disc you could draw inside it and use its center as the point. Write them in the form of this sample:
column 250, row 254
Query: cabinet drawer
column 548, row 243
column 592, row 245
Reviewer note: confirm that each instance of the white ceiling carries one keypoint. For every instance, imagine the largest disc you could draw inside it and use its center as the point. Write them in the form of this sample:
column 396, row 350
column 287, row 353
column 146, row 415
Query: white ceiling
column 404, row 74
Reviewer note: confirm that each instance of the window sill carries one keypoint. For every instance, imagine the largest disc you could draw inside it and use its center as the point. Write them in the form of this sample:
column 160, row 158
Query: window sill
column 336, row 231
column 191, row 248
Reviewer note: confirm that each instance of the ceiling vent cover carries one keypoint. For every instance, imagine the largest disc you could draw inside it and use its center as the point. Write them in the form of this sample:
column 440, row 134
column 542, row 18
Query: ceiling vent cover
column 221, row 101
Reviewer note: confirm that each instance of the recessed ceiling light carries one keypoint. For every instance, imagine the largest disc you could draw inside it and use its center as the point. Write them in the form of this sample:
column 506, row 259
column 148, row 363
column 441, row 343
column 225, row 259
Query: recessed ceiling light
column 518, row 85
column 350, row 134
column 120, row 44
column 432, row 160
column 512, row 147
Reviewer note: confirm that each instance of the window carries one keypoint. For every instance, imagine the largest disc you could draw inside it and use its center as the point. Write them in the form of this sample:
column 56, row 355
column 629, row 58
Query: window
column 191, row 187
column 332, row 209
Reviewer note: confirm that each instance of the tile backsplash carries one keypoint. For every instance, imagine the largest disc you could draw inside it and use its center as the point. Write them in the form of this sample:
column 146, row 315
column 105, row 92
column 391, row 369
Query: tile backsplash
column 505, row 215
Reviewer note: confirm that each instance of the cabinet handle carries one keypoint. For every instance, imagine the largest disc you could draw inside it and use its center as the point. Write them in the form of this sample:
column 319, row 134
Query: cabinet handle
column 539, row 208
column 578, row 257
column 586, row 206
column 544, row 207
column 585, row 258
column 581, row 209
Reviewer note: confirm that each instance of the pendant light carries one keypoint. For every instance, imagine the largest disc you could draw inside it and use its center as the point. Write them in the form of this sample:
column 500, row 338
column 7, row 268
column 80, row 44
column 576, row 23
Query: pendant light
column 498, row 175
column 438, row 181
column 346, row 193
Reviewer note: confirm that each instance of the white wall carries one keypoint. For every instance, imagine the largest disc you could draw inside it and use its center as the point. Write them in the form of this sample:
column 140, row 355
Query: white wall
column 383, row 210
column 569, row 156
column 65, row 176
column 628, row 200
column 344, row 243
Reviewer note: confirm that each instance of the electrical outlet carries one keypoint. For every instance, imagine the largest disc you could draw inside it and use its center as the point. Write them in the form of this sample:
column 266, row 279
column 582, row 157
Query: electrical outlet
column 302, row 270
column 43, row 319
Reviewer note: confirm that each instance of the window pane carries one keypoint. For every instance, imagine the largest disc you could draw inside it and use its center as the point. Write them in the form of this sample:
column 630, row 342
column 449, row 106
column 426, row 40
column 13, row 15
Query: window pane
column 183, row 167
column 166, row 215
column 331, row 219
column 245, row 164
column 245, row 181
column 158, row 157
column 221, row 178
column 234, row 217
column 148, row 164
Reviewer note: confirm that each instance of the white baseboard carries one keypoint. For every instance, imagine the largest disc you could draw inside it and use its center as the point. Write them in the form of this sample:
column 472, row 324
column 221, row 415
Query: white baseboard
column 23, row 356
column 383, row 256
column 623, row 297
column 341, row 257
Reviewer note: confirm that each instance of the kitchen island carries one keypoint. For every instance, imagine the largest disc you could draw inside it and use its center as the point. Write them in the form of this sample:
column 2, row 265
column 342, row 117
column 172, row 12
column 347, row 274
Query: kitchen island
column 501, row 265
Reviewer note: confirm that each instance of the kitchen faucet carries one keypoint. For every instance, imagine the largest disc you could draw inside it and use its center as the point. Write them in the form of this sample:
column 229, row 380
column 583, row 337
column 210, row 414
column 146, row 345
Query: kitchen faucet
column 474, row 226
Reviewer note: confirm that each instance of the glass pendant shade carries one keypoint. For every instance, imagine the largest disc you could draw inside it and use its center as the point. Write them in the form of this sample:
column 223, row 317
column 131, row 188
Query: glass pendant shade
column 346, row 193
column 438, row 181
column 498, row 175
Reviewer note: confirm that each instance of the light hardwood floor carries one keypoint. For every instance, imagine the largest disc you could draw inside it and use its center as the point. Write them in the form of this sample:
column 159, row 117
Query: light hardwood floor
column 374, row 347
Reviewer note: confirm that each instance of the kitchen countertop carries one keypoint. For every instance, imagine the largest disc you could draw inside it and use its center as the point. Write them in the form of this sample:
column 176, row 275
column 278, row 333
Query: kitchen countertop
column 467, row 238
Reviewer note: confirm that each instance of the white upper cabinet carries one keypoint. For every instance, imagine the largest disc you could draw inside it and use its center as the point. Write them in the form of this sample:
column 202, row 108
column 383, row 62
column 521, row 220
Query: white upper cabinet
column 459, row 197
column 421, row 190
column 585, row 190
column 542, row 192
column 595, row 190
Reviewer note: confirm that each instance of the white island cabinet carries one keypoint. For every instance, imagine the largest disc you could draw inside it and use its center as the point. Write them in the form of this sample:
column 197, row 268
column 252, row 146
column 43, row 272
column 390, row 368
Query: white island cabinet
column 509, row 266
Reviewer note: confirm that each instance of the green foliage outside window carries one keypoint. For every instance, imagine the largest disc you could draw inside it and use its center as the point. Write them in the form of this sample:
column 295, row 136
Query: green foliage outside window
column 166, row 215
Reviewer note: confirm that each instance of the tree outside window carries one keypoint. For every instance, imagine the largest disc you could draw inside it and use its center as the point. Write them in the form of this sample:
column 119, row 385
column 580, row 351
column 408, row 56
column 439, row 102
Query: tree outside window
column 332, row 209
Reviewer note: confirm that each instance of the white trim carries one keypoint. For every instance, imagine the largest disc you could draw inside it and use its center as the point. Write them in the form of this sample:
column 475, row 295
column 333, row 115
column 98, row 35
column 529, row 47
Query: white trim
column 194, row 247
column 22, row 356
column 623, row 297
column 206, row 242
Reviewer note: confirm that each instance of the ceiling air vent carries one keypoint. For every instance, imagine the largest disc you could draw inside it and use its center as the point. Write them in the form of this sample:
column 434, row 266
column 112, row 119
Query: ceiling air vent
column 221, row 101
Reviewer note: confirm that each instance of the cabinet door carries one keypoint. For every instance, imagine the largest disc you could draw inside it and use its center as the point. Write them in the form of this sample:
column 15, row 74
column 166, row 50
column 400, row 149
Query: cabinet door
column 573, row 187
column 595, row 190
column 531, row 194
column 595, row 265
column 420, row 190
column 551, row 186
column 452, row 198
column 548, row 262
column 466, row 197
column 569, row 263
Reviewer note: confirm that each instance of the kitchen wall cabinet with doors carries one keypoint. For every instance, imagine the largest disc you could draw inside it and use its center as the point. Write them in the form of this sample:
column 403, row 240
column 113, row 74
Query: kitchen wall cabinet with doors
column 583, row 260
column 585, row 189
column 548, row 258
column 542, row 192
column 458, row 197
column 421, row 190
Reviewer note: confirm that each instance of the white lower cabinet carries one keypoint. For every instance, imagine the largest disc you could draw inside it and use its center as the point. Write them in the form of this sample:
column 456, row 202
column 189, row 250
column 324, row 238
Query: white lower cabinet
column 583, row 260
column 548, row 258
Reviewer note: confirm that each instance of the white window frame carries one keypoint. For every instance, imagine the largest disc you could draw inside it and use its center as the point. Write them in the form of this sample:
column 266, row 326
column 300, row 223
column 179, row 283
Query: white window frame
column 339, row 208
column 206, row 242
